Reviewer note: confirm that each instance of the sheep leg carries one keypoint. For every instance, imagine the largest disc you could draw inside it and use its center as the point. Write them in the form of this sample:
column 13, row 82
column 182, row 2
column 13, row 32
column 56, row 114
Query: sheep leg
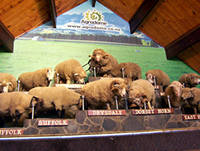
column 68, row 79
column 149, row 105
column 108, row 106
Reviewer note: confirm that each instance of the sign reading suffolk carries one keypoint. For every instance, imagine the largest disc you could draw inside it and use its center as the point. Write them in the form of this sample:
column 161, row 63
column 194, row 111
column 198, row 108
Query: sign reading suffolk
column 52, row 122
column 11, row 132
column 153, row 111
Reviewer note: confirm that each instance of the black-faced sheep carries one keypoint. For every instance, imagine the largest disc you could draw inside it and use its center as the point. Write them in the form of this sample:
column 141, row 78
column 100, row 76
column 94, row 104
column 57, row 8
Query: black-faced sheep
column 38, row 78
column 140, row 92
column 190, row 99
column 69, row 71
column 190, row 80
column 173, row 93
column 158, row 78
column 101, row 94
column 131, row 71
column 60, row 99
column 102, row 61
column 16, row 105
column 8, row 81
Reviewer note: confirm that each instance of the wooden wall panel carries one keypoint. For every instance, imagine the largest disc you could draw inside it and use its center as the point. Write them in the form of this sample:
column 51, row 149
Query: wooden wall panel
column 124, row 8
column 191, row 57
column 170, row 19
column 65, row 5
column 21, row 16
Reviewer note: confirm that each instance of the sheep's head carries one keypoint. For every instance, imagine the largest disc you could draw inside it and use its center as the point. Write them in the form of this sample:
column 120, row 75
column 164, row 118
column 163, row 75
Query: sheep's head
column 136, row 98
column 37, row 102
column 151, row 78
column 50, row 74
column 193, row 79
column 176, row 88
column 118, row 87
column 6, row 87
column 80, row 77
column 98, row 55
column 186, row 95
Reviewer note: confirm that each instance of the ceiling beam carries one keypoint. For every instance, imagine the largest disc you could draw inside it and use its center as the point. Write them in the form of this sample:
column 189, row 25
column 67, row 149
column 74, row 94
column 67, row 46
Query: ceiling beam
column 93, row 3
column 182, row 43
column 141, row 13
column 6, row 38
column 53, row 12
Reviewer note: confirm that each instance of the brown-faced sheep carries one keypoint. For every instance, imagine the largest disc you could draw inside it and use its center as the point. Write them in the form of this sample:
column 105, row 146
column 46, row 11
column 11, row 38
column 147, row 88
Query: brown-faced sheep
column 158, row 78
column 140, row 92
column 131, row 71
column 190, row 99
column 38, row 78
column 69, row 71
column 102, row 61
column 60, row 99
column 9, row 81
column 190, row 80
column 173, row 93
column 101, row 94
column 16, row 105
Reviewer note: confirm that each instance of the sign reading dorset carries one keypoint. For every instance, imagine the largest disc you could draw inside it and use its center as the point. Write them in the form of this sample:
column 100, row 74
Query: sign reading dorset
column 106, row 112
column 11, row 132
column 52, row 122
column 191, row 117
column 153, row 111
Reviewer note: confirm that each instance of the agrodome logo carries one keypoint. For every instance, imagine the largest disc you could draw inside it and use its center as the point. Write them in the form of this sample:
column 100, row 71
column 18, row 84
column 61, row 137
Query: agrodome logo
column 93, row 17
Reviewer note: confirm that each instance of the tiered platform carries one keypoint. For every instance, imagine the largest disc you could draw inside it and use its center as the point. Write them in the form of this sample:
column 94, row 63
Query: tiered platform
column 163, row 129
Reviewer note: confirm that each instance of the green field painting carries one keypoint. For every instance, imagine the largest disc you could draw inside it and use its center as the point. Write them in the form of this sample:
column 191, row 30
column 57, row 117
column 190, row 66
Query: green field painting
column 30, row 55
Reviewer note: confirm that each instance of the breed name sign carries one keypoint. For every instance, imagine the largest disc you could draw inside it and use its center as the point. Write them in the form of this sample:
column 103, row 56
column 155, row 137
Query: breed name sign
column 191, row 117
column 106, row 112
column 11, row 132
column 52, row 122
column 153, row 111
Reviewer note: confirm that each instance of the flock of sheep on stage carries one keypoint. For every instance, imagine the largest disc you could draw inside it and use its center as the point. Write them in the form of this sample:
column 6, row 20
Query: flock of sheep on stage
column 116, row 86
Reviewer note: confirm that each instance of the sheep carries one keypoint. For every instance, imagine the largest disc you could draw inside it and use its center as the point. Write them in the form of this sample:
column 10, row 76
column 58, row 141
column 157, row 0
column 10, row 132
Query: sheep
column 131, row 71
column 69, row 71
column 190, row 80
column 60, row 99
column 16, row 105
column 101, row 94
column 173, row 93
column 141, row 91
column 38, row 78
column 190, row 99
column 158, row 78
column 9, row 81
column 102, row 61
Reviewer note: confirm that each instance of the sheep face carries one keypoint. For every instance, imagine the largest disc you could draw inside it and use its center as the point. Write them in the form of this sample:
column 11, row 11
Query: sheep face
column 98, row 54
column 150, row 78
column 80, row 77
column 50, row 74
column 186, row 94
column 194, row 79
column 118, row 88
column 136, row 98
column 6, row 87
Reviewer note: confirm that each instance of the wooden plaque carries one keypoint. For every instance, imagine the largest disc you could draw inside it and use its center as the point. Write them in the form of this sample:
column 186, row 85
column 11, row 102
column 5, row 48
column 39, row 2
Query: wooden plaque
column 52, row 122
column 106, row 112
column 191, row 117
column 11, row 131
column 153, row 111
